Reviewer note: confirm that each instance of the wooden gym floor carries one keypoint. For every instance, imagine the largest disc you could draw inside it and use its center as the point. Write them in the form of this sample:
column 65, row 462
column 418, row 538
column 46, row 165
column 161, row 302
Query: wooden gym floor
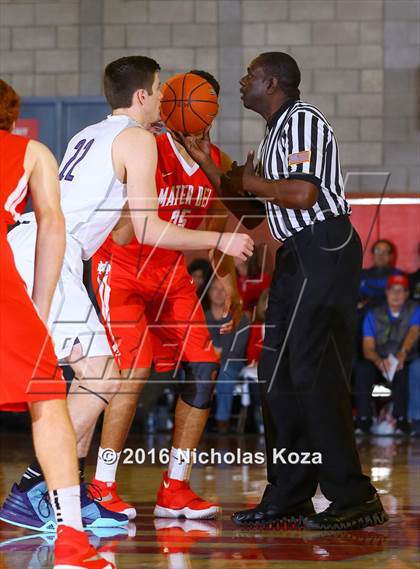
column 394, row 465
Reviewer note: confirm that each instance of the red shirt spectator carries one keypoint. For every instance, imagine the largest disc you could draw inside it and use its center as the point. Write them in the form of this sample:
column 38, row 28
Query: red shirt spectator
column 250, row 288
column 256, row 332
column 255, row 343
column 252, row 279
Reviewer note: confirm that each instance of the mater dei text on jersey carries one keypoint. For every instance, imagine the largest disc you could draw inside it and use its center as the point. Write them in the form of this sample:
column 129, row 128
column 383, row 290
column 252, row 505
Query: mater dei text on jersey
column 184, row 194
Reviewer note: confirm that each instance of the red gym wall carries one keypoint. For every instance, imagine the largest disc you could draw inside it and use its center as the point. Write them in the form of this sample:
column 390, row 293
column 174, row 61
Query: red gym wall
column 396, row 218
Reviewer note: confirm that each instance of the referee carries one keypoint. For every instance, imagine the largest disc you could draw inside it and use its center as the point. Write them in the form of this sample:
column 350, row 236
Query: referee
column 305, row 366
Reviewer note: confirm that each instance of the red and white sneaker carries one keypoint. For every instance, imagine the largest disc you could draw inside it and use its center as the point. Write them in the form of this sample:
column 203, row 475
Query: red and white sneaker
column 109, row 499
column 175, row 499
column 73, row 551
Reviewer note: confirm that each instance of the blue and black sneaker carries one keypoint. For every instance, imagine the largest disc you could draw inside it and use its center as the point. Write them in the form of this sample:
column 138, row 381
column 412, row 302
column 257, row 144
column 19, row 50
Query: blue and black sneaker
column 96, row 516
column 29, row 509
column 32, row 509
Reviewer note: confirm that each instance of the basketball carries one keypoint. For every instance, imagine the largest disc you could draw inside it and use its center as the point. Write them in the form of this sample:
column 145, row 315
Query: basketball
column 189, row 103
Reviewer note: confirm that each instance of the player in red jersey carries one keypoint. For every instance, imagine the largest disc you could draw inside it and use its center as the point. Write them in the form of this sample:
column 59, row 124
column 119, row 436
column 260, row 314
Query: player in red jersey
column 30, row 378
column 152, row 312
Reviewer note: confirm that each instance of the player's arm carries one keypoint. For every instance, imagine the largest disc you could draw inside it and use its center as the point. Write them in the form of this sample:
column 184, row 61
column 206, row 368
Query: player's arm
column 135, row 149
column 42, row 171
column 123, row 232
column 247, row 209
column 223, row 265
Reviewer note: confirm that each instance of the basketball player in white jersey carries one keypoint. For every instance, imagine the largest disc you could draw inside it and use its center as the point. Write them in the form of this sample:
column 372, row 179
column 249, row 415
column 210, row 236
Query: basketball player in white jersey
column 100, row 173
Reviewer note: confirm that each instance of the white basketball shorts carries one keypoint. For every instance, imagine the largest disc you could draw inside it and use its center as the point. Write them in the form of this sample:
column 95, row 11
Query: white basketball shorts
column 72, row 316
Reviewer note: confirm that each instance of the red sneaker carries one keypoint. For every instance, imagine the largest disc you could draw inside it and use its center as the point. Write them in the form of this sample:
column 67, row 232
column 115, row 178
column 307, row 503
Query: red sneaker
column 175, row 499
column 109, row 499
column 73, row 551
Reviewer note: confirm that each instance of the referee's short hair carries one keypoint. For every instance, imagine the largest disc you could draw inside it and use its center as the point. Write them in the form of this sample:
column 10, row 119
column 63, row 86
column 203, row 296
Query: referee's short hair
column 284, row 68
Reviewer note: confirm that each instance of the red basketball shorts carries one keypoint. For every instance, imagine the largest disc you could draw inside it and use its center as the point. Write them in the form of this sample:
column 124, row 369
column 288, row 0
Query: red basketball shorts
column 29, row 369
column 152, row 314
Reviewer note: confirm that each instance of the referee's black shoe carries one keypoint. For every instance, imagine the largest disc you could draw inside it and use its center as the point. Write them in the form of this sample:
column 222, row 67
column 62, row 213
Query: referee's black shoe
column 271, row 515
column 370, row 513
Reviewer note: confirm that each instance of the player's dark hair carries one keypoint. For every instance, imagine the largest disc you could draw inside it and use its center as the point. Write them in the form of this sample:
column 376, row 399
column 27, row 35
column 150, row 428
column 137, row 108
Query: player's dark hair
column 391, row 245
column 9, row 106
column 284, row 68
column 209, row 78
column 124, row 76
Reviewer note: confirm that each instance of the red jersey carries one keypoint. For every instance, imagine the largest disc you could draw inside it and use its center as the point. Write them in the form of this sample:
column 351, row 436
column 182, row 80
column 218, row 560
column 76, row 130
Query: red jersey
column 14, row 185
column 28, row 367
column 185, row 196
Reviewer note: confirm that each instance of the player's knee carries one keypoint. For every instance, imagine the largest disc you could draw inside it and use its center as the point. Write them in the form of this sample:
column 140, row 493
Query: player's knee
column 200, row 381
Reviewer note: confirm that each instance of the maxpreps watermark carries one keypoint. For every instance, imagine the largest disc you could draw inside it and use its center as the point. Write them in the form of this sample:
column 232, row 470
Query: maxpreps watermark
column 212, row 457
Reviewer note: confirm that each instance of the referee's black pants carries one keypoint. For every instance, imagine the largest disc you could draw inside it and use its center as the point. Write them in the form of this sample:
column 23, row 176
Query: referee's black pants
column 304, row 370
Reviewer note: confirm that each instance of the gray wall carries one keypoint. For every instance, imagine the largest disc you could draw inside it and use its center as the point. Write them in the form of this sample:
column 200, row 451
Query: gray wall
column 360, row 63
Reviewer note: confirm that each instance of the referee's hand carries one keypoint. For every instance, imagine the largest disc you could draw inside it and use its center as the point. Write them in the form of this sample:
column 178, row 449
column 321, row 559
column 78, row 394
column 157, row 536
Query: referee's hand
column 239, row 177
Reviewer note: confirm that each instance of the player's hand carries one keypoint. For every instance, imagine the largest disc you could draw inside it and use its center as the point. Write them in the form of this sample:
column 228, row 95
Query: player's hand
column 236, row 244
column 198, row 147
column 233, row 307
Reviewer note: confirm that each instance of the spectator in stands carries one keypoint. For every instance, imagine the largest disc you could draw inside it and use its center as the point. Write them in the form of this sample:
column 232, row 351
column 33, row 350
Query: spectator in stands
column 373, row 280
column 256, row 334
column 390, row 328
column 232, row 349
column 414, row 367
column 414, row 395
column 201, row 272
column 252, row 279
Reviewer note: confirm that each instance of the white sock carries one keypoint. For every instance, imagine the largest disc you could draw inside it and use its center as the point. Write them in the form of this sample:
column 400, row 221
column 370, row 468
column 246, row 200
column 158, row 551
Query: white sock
column 66, row 506
column 178, row 561
column 108, row 556
column 180, row 464
column 106, row 467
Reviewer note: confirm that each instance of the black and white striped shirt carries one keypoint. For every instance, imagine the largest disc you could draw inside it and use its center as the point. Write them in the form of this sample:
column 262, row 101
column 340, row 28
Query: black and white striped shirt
column 299, row 143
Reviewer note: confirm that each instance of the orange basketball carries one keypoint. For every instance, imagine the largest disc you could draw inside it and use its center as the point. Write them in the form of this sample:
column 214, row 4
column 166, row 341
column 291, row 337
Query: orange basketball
column 189, row 103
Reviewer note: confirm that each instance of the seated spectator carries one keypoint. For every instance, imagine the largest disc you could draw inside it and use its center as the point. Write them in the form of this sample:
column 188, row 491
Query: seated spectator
column 414, row 396
column 201, row 272
column 391, row 328
column 256, row 334
column 232, row 349
column 252, row 279
column 373, row 280
column 414, row 368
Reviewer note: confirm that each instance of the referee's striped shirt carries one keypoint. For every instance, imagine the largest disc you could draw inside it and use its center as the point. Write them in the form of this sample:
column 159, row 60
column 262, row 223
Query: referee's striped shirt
column 299, row 143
